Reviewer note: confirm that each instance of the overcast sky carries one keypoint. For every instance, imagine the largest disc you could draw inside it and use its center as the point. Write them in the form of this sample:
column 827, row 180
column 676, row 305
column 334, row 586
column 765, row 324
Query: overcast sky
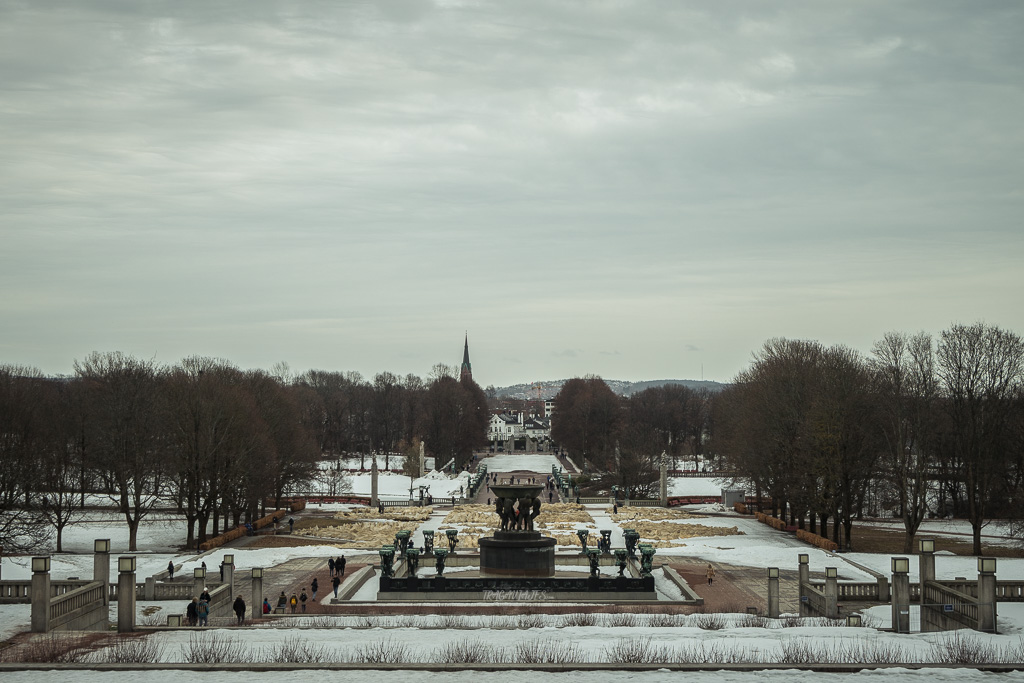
column 640, row 190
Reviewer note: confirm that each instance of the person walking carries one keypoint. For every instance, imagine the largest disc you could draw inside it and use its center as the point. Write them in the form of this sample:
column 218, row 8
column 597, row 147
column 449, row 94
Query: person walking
column 203, row 611
column 303, row 599
column 330, row 565
column 710, row 574
column 340, row 565
column 266, row 606
column 336, row 583
column 282, row 600
column 293, row 602
column 291, row 524
column 315, row 586
column 170, row 570
column 239, row 609
column 222, row 571
column 192, row 613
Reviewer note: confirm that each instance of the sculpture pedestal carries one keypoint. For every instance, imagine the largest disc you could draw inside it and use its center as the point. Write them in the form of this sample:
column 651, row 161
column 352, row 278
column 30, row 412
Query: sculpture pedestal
column 517, row 553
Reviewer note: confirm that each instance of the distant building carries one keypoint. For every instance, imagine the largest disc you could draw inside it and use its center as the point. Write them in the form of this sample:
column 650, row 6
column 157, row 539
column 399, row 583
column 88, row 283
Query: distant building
column 516, row 431
column 467, row 368
column 549, row 408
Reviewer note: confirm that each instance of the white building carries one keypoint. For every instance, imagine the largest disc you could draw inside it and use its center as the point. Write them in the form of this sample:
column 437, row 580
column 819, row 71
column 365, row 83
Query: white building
column 505, row 429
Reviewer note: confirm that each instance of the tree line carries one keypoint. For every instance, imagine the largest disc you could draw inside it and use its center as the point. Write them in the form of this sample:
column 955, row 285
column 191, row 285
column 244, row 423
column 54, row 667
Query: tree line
column 217, row 440
column 619, row 441
column 825, row 434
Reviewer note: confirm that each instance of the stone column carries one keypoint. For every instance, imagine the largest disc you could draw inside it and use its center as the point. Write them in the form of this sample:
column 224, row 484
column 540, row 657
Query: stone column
column 257, row 592
column 40, row 594
column 229, row 574
column 423, row 459
column 101, row 565
column 198, row 581
column 831, row 593
column 373, row 483
column 126, row 594
column 987, row 594
column 805, row 577
column 663, row 481
column 900, row 595
column 773, row 592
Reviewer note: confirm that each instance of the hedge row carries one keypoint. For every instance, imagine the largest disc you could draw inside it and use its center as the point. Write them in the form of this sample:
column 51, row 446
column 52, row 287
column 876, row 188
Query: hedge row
column 816, row 540
column 239, row 531
column 773, row 522
column 292, row 504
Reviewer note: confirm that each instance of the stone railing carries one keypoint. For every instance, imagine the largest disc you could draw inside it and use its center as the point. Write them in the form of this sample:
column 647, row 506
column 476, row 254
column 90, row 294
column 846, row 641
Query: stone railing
column 76, row 605
column 965, row 607
column 20, row 591
column 815, row 600
column 858, row 591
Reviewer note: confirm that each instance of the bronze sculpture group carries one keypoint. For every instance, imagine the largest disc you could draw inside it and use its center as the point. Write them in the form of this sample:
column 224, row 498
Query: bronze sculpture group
column 517, row 514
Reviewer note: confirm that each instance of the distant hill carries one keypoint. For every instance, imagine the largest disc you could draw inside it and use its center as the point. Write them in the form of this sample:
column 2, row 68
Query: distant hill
column 550, row 388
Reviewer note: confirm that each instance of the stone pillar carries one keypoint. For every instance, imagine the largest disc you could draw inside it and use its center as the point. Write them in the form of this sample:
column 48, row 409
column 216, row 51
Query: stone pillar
column 884, row 594
column 101, row 565
column 229, row 574
column 663, row 481
column 987, row 594
column 423, row 459
column 831, row 593
column 149, row 592
column 900, row 595
column 257, row 592
column 198, row 581
column 804, row 569
column 773, row 592
column 40, row 594
column 126, row 594
column 925, row 563
column 373, row 483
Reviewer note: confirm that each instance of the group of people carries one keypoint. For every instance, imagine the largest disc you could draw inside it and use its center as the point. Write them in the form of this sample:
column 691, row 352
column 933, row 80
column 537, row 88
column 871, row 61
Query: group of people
column 294, row 601
column 198, row 611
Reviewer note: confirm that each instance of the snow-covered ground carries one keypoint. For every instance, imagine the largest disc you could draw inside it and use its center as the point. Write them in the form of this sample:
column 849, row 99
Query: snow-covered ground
column 391, row 486
column 540, row 463
column 758, row 546
column 696, row 486
column 661, row 676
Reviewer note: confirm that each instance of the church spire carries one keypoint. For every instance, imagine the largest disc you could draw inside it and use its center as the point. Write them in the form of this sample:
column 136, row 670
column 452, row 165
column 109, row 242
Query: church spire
column 467, row 369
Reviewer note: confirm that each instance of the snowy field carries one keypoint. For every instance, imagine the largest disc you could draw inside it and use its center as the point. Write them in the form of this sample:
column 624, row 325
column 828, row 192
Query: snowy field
column 539, row 463
column 391, row 486
column 697, row 486
column 663, row 676
column 423, row 636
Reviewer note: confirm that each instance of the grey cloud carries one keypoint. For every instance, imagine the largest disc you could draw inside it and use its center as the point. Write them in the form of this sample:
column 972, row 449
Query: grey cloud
column 178, row 176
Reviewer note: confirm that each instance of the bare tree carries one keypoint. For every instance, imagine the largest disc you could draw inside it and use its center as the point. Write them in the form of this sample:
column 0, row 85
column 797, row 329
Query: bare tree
column 23, row 434
column 906, row 389
column 981, row 368
column 126, row 428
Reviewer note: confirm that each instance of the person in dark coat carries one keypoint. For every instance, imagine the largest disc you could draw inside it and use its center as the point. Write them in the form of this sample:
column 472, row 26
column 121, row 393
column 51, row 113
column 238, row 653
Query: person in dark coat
column 330, row 565
column 315, row 586
column 205, row 595
column 191, row 615
column 336, row 583
column 340, row 564
column 170, row 570
column 239, row 609
column 303, row 598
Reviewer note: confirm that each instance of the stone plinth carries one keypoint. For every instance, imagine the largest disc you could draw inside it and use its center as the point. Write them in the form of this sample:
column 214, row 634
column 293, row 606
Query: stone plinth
column 517, row 553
